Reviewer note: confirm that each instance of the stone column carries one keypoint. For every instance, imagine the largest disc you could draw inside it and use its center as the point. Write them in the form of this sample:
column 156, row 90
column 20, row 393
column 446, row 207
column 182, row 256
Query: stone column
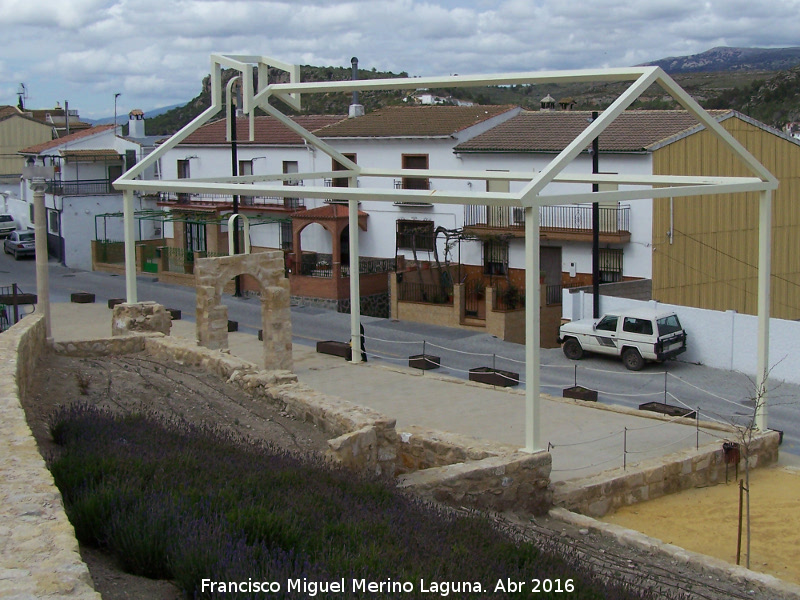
column 40, row 233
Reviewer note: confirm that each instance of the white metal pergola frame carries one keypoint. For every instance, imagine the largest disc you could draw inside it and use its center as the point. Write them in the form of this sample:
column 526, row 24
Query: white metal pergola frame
column 530, row 198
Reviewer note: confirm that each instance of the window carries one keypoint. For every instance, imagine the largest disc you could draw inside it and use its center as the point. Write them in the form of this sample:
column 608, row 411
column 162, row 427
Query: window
column 415, row 161
column 286, row 235
column 245, row 167
column 640, row 326
column 291, row 166
column 183, row 173
column 495, row 257
column 608, row 323
column 195, row 237
column 415, row 234
column 183, row 169
column 337, row 166
column 114, row 172
column 668, row 325
column 610, row 265
column 130, row 159
column 52, row 222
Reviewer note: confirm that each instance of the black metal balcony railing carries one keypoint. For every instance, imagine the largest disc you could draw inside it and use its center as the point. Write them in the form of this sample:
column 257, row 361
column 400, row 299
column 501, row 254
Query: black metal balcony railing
column 81, row 187
column 255, row 201
column 567, row 218
column 321, row 265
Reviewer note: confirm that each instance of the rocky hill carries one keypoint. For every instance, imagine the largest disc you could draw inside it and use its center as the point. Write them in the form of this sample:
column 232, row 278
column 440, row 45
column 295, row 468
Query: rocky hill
column 759, row 82
column 724, row 58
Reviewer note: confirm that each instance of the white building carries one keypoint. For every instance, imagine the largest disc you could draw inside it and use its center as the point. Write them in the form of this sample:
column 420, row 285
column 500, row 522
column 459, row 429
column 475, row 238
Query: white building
column 85, row 164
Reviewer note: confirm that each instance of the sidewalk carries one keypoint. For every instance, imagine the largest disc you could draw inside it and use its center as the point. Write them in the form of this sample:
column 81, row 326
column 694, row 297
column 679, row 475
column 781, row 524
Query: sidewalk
column 586, row 440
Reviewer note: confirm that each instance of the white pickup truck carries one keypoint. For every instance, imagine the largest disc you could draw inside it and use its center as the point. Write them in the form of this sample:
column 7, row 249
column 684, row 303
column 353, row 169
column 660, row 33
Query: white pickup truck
column 636, row 336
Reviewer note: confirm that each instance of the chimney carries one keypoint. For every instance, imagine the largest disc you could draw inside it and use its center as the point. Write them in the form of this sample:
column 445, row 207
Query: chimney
column 136, row 123
column 356, row 109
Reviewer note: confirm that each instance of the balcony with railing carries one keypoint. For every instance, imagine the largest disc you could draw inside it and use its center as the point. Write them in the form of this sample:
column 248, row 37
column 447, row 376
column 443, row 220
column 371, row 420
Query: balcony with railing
column 226, row 201
column 80, row 187
column 563, row 222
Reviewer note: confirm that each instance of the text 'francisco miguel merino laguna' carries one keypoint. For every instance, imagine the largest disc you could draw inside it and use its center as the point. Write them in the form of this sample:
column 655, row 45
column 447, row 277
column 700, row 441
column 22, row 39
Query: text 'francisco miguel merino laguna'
column 388, row 586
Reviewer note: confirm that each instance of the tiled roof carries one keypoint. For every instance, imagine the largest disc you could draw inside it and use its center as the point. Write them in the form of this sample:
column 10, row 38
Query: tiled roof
column 90, row 155
column 414, row 121
column 66, row 139
column 8, row 111
column 542, row 131
column 268, row 130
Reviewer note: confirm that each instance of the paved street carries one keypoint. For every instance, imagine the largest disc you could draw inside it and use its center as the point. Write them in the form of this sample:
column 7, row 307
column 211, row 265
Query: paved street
column 720, row 395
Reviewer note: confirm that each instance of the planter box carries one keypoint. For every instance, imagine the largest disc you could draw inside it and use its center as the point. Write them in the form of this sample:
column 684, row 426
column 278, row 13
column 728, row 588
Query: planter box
column 82, row 298
column 11, row 299
column 334, row 348
column 578, row 392
column 174, row 313
column 424, row 362
column 112, row 302
column 233, row 326
column 260, row 335
column 669, row 409
column 495, row 377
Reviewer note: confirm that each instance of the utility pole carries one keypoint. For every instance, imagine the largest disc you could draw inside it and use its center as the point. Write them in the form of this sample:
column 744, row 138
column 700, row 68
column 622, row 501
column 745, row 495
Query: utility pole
column 595, row 227
column 237, row 281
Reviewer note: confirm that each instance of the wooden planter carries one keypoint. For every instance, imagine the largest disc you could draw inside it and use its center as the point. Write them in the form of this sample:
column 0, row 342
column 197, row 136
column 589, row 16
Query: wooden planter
column 82, row 298
column 174, row 313
column 233, row 326
column 496, row 377
column 335, row 349
column 669, row 409
column 578, row 392
column 424, row 362
column 260, row 335
column 112, row 302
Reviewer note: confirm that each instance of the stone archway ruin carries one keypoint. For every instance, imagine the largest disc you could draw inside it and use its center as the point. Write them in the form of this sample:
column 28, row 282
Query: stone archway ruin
column 211, row 275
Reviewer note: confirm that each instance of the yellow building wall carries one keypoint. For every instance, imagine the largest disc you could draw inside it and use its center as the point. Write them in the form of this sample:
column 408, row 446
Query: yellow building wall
column 711, row 262
column 17, row 133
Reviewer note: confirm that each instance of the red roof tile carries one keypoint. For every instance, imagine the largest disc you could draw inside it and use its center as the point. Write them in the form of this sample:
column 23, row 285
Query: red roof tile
column 541, row 131
column 268, row 130
column 414, row 121
column 67, row 138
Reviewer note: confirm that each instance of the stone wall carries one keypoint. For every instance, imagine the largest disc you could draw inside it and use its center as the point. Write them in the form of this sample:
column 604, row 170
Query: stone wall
column 601, row 494
column 458, row 469
column 39, row 555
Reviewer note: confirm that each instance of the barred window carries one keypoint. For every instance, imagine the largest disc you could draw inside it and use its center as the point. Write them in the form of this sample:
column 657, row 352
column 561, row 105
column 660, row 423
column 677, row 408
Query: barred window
column 610, row 265
column 495, row 257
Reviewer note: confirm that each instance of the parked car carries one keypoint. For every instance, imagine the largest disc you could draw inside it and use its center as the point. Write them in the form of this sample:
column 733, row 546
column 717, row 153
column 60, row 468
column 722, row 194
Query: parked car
column 637, row 336
column 20, row 243
column 7, row 225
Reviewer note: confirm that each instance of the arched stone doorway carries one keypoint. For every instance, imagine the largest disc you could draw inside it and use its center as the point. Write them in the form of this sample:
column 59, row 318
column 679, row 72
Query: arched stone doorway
column 211, row 275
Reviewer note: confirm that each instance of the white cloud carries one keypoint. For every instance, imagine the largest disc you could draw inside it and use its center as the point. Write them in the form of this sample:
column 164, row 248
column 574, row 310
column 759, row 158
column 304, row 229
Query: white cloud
column 156, row 52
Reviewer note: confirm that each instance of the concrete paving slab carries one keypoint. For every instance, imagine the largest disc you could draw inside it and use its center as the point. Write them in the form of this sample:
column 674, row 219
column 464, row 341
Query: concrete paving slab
column 583, row 439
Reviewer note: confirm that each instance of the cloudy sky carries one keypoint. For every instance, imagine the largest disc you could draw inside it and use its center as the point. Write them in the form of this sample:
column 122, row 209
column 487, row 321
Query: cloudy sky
column 155, row 52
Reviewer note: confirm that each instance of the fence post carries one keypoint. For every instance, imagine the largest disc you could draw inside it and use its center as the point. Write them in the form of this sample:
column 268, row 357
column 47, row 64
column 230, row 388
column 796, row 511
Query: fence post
column 625, row 450
column 16, row 306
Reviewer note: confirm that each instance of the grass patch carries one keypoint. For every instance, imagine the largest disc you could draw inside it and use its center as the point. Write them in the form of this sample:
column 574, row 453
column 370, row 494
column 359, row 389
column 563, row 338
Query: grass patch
column 176, row 501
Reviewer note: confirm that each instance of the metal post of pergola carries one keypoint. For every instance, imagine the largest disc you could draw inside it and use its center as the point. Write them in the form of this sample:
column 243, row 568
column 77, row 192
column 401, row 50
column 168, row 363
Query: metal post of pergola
column 624, row 187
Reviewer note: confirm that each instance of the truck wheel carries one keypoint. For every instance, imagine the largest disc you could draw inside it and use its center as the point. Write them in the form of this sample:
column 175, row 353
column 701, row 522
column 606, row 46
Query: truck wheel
column 632, row 359
column 572, row 349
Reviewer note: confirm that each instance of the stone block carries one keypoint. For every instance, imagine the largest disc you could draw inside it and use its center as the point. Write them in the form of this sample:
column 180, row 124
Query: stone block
column 140, row 317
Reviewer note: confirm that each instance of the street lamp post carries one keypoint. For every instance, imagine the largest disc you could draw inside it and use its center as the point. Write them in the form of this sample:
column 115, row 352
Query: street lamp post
column 117, row 95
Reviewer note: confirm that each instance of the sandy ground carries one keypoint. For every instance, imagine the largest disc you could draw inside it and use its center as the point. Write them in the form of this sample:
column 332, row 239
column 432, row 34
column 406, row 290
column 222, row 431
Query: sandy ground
column 705, row 520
